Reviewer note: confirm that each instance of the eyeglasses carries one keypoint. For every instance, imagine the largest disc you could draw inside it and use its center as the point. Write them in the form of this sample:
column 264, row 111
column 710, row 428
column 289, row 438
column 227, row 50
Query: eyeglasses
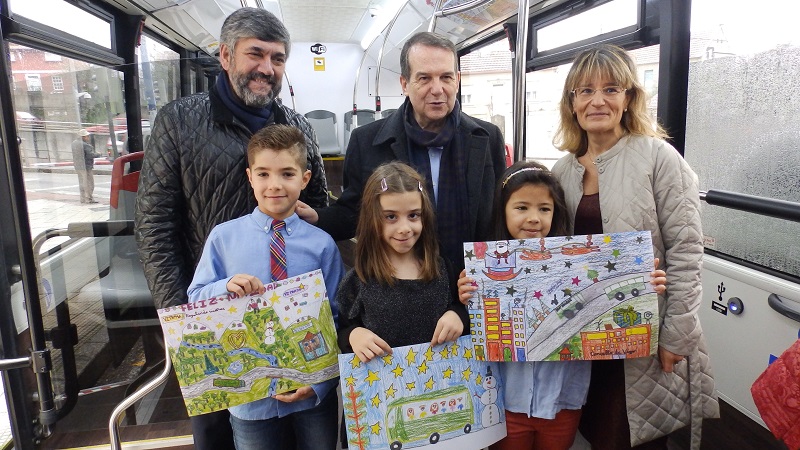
column 585, row 93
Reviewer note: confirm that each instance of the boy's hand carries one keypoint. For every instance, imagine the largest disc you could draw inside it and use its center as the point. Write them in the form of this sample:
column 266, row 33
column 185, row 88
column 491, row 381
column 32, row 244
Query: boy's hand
column 448, row 328
column 367, row 345
column 306, row 213
column 296, row 396
column 466, row 286
column 658, row 278
column 243, row 284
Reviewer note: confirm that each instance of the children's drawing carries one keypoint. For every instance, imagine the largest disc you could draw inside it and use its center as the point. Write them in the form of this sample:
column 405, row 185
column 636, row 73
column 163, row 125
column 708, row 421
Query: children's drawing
column 227, row 351
column 421, row 395
column 563, row 298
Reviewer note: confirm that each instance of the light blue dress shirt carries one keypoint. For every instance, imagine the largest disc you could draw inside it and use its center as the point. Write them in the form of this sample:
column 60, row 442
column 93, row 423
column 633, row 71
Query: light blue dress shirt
column 543, row 388
column 242, row 246
column 435, row 156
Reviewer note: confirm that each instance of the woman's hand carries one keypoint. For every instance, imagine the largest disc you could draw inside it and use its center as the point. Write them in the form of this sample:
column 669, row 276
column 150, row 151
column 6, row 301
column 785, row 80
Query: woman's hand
column 367, row 345
column 448, row 328
column 466, row 286
column 658, row 278
column 296, row 396
column 243, row 284
column 668, row 359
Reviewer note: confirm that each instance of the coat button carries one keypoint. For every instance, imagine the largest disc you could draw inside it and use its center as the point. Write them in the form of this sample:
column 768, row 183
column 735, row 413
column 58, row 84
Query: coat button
column 605, row 220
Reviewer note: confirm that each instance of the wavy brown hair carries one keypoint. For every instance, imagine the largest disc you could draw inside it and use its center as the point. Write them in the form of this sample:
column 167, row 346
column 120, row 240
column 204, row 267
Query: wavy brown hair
column 606, row 61
column 372, row 260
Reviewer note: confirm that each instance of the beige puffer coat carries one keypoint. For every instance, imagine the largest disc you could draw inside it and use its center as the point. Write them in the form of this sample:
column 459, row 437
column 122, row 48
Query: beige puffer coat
column 645, row 184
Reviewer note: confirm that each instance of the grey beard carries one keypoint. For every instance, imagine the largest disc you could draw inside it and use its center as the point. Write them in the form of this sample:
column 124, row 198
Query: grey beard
column 252, row 99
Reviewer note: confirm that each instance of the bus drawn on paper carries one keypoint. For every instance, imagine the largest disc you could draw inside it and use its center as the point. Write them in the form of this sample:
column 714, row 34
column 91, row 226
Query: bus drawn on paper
column 428, row 416
column 621, row 289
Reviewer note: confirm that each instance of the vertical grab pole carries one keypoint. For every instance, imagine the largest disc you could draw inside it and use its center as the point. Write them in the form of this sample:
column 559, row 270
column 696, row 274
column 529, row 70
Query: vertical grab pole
column 520, row 58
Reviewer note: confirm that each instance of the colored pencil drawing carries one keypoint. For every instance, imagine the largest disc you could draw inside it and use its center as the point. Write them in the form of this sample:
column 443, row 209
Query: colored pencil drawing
column 227, row 351
column 563, row 298
column 421, row 395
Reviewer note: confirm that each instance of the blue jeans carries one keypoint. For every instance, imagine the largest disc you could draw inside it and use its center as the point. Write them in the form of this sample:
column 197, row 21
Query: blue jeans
column 314, row 429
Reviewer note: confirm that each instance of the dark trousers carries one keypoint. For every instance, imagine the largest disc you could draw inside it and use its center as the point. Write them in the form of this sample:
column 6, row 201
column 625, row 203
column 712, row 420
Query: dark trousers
column 213, row 431
column 604, row 422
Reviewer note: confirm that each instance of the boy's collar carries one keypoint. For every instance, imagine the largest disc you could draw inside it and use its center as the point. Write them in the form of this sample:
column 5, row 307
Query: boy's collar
column 265, row 220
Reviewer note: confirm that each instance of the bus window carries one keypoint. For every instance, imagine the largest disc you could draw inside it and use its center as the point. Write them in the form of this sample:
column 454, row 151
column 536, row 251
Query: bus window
column 159, row 76
column 741, row 124
column 486, row 89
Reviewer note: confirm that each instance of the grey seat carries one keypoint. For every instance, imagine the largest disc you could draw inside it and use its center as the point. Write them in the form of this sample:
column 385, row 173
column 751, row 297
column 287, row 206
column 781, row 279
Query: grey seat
column 364, row 117
column 324, row 124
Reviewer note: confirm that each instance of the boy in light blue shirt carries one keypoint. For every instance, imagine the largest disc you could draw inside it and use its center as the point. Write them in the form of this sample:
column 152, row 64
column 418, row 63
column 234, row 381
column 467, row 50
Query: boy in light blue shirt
column 236, row 259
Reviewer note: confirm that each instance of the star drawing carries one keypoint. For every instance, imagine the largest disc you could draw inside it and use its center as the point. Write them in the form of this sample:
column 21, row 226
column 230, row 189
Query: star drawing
column 611, row 266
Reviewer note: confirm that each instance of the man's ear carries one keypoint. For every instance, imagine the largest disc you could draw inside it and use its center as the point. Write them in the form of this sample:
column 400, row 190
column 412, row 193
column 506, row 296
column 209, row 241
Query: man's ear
column 404, row 84
column 225, row 56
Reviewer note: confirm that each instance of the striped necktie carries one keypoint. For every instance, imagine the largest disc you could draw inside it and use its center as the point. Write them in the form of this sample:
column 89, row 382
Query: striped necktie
column 277, row 251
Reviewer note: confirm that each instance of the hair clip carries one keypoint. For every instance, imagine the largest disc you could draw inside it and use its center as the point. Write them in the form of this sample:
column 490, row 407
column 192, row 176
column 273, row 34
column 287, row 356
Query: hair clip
column 384, row 186
column 420, row 185
column 524, row 169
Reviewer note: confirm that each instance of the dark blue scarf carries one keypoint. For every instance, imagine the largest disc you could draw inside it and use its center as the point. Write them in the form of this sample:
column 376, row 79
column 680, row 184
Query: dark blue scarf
column 253, row 118
column 452, row 212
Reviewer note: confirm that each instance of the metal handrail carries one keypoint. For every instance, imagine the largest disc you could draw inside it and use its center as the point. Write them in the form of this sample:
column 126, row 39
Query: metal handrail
column 771, row 207
column 127, row 402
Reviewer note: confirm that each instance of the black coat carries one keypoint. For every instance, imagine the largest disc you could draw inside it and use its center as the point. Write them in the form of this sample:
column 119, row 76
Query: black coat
column 193, row 178
column 384, row 140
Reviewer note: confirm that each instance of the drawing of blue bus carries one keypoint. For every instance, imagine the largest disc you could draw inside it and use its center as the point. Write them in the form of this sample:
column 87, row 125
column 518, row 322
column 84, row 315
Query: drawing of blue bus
column 630, row 286
column 428, row 416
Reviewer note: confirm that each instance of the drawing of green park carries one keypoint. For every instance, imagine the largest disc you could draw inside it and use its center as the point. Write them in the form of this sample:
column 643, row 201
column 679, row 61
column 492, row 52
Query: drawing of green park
column 230, row 351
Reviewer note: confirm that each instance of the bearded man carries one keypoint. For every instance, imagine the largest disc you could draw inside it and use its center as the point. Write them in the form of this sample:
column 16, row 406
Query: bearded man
column 193, row 171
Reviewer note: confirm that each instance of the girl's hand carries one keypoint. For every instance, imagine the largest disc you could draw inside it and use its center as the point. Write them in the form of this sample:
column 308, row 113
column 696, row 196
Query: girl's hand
column 668, row 359
column 243, row 284
column 466, row 286
column 296, row 396
column 306, row 213
column 658, row 278
column 448, row 328
column 367, row 345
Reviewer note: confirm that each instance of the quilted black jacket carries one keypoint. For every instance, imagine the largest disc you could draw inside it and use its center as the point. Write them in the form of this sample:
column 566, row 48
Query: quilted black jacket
column 193, row 178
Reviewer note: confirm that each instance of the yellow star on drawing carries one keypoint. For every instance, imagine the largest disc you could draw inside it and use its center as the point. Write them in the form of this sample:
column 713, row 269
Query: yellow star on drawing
column 318, row 281
column 301, row 287
column 274, row 299
column 372, row 377
column 316, row 294
column 423, row 368
column 429, row 384
column 454, row 349
column 220, row 326
column 355, row 362
column 607, row 239
column 411, row 386
column 209, row 317
column 429, row 354
column 375, row 428
column 411, row 357
column 387, row 360
column 171, row 331
column 232, row 309
column 468, row 354
column 466, row 374
column 351, row 381
column 398, row 371
column 285, row 319
column 478, row 379
column 445, row 352
column 180, row 323
column 376, row 401
column 448, row 372
column 390, row 392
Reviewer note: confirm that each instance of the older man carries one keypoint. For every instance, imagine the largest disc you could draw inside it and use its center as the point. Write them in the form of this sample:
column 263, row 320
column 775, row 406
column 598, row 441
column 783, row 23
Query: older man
column 83, row 156
column 193, row 172
column 460, row 156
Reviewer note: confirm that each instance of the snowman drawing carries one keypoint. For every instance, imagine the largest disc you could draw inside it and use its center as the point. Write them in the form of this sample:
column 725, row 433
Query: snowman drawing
column 491, row 413
column 269, row 335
